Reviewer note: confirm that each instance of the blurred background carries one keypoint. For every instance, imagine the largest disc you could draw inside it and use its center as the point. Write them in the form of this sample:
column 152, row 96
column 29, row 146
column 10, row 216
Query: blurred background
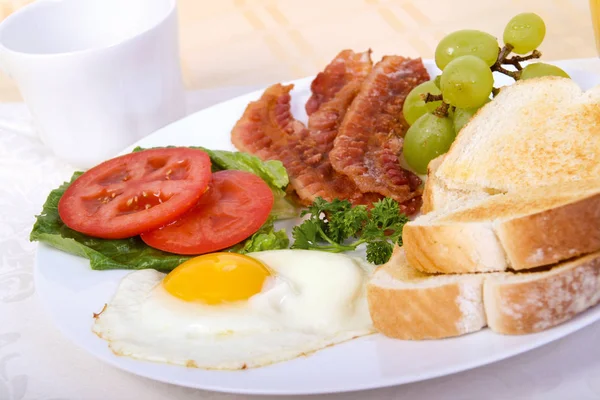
column 257, row 42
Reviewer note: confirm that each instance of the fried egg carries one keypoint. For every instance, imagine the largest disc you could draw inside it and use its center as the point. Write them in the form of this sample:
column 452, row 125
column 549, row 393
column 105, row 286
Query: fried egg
column 232, row 311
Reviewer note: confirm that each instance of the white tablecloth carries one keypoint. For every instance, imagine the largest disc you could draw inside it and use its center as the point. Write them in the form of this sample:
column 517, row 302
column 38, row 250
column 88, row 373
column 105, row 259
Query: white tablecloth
column 37, row 362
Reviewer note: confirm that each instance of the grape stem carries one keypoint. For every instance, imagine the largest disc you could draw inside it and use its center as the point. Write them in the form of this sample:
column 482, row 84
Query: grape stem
column 442, row 110
column 516, row 60
column 514, row 63
column 513, row 74
column 432, row 97
column 502, row 54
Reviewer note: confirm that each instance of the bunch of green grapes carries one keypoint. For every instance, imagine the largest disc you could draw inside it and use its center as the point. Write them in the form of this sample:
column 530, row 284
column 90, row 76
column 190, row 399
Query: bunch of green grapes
column 467, row 59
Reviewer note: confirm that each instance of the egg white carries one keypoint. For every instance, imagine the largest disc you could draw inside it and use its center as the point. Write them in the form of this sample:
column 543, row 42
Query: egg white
column 314, row 300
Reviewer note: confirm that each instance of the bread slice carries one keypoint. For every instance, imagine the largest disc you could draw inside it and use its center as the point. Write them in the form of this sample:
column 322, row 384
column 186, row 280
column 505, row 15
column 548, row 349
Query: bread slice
column 436, row 196
column 531, row 302
column 433, row 191
column 519, row 230
column 536, row 132
column 407, row 304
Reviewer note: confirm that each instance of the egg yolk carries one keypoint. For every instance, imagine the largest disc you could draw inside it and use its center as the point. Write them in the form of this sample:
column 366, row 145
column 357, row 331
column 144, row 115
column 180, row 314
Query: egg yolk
column 217, row 278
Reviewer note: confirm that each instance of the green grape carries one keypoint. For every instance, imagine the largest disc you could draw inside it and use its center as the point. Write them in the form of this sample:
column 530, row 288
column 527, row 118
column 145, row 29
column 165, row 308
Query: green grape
column 463, row 115
column 466, row 42
column 542, row 69
column 437, row 81
column 525, row 32
column 415, row 106
column 466, row 82
column 426, row 139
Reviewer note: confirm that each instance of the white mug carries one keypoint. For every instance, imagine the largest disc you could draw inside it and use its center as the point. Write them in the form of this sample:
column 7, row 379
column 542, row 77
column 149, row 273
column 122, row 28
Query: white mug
column 97, row 75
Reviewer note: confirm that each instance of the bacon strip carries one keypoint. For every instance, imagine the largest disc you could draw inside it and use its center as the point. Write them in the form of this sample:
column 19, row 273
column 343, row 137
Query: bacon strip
column 268, row 130
column 369, row 140
column 347, row 66
column 310, row 167
column 267, row 124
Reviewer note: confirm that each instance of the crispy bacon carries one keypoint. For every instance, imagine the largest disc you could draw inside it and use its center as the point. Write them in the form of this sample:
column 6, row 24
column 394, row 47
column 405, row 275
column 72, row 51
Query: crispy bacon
column 267, row 130
column 351, row 146
column 347, row 66
column 309, row 164
column 369, row 140
column 266, row 124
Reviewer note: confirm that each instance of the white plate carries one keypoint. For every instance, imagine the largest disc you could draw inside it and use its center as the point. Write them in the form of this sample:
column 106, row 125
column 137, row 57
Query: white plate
column 72, row 292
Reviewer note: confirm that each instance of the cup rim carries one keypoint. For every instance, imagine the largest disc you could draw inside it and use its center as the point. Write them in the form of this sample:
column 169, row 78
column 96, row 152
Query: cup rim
column 40, row 3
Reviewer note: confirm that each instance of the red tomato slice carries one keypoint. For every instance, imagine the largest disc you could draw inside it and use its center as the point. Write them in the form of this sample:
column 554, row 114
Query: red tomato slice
column 234, row 207
column 137, row 192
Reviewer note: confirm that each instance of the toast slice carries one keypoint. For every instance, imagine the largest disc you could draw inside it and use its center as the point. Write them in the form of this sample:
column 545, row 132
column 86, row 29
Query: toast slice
column 532, row 302
column 436, row 196
column 432, row 191
column 536, row 132
column 407, row 304
column 519, row 231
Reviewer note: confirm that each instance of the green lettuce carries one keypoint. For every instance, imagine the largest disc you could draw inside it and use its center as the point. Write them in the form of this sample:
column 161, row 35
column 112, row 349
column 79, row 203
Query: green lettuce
column 272, row 172
column 133, row 253
column 266, row 238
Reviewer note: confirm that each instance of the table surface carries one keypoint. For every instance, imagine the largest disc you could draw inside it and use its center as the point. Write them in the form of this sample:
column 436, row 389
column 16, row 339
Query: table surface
column 248, row 42
column 286, row 40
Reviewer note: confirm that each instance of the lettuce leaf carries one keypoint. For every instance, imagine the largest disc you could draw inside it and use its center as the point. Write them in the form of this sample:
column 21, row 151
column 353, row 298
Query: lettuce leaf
column 266, row 238
column 133, row 253
column 272, row 172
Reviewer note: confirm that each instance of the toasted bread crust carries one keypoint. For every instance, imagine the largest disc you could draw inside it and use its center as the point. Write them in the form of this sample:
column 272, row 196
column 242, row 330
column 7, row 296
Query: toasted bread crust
column 526, row 303
column 407, row 313
column 453, row 248
column 488, row 237
column 431, row 190
column 445, row 309
column 553, row 235
column 433, row 306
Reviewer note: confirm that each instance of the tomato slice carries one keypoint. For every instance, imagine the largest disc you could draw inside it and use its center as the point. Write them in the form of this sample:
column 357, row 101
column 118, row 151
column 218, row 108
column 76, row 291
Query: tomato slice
column 137, row 192
column 234, row 207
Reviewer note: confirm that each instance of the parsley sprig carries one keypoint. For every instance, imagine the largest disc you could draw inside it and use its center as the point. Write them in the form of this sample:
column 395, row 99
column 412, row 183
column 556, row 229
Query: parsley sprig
column 338, row 226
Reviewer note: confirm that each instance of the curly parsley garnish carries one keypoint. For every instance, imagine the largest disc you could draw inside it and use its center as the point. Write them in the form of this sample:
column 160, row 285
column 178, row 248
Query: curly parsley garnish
column 338, row 226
